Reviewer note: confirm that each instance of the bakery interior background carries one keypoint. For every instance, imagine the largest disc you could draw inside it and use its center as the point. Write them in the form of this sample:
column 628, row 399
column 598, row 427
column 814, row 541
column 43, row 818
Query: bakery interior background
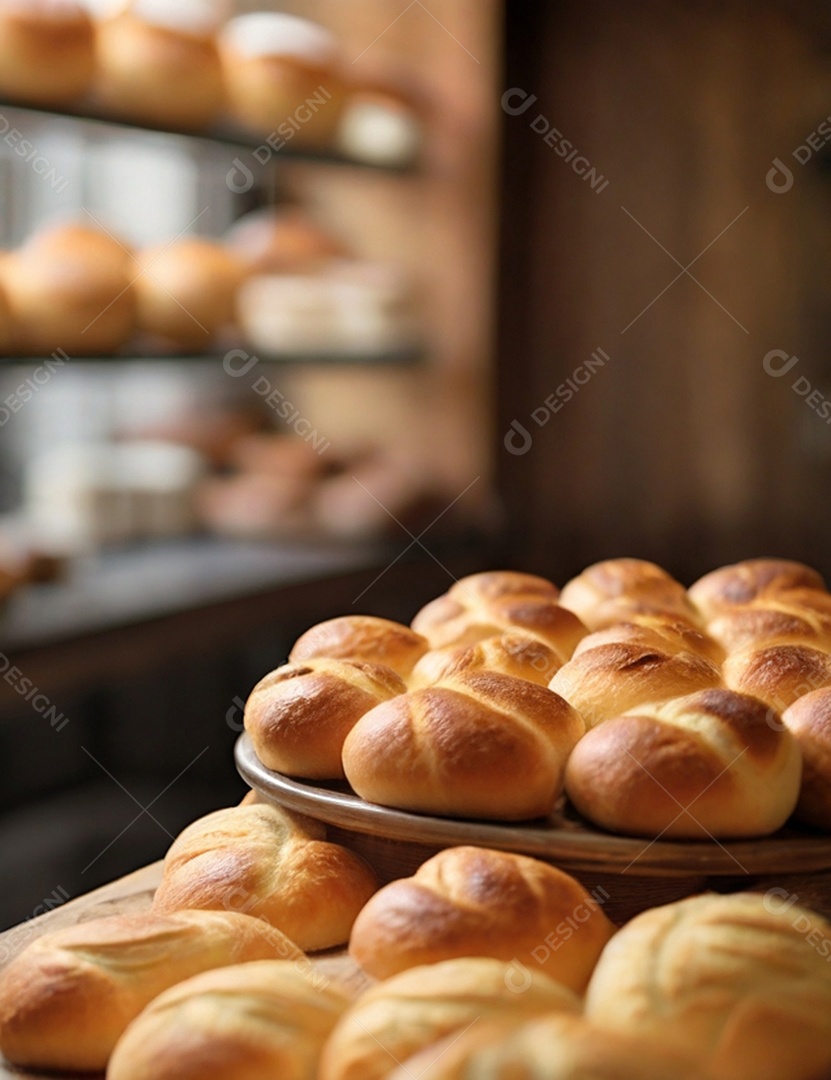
column 590, row 319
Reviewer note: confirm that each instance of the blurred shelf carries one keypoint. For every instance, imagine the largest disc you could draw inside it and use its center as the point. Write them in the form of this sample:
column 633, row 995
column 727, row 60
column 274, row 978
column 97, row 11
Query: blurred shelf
column 403, row 357
column 223, row 134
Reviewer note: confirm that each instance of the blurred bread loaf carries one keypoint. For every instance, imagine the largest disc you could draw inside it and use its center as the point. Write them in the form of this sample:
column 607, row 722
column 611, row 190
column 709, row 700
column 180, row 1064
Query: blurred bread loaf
column 478, row 745
column 283, row 241
column 269, row 1018
column 47, row 51
column 264, row 862
column 362, row 637
column 469, row 901
column 741, row 980
column 67, row 998
column 809, row 721
column 707, row 765
column 417, row 1008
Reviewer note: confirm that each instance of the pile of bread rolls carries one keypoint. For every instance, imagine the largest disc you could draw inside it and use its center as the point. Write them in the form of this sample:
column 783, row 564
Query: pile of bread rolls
column 660, row 711
column 187, row 65
column 483, row 964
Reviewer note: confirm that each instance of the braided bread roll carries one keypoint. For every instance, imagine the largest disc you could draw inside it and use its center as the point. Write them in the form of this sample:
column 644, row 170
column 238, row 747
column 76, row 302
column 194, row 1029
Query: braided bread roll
column 613, row 679
column 415, row 1009
column 557, row 1047
column 469, row 901
column 809, row 721
column 707, row 765
column 262, row 861
column 67, row 998
column 776, row 620
column 743, row 582
column 485, row 605
column 516, row 652
column 656, row 632
column 299, row 715
column 742, row 980
column 362, row 637
column 614, row 590
column 266, row 1019
column 778, row 674
column 480, row 745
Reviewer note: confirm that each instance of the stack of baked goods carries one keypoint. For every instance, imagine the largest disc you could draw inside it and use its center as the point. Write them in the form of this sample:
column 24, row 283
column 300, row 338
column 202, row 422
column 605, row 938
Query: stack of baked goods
column 187, row 65
column 658, row 711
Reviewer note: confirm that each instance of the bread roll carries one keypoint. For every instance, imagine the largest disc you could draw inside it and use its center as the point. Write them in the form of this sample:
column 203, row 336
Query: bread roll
column 282, row 76
column 285, row 241
column 47, row 50
column 300, row 714
column 158, row 62
column 742, row 980
column 778, row 674
column 610, row 680
column 771, row 621
column 266, row 1019
column 707, row 765
column 67, row 998
column 484, row 605
column 362, row 637
column 265, row 862
column 809, row 721
column 469, row 901
column 610, row 591
column 415, row 1009
column 655, row 632
column 515, row 652
column 70, row 287
column 187, row 291
column 480, row 745
column 730, row 586
column 557, row 1047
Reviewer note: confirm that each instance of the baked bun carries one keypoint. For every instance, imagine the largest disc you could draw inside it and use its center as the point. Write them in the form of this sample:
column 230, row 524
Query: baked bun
column 778, row 674
column 730, row 586
column 362, row 637
column 515, row 652
column 283, row 242
column 299, row 715
column 469, row 901
column 655, row 632
column 187, row 291
column 67, row 998
column 269, row 1018
column 47, row 50
column 484, row 605
column 282, row 76
column 772, row 621
column 741, row 980
column 557, row 1047
column 610, row 680
column 395, row 1019
column 610, row 591
column 158, row 62
column 480, row 745
column 69, row 288
column 809, row 721
column 707, row 765
column 265, row 862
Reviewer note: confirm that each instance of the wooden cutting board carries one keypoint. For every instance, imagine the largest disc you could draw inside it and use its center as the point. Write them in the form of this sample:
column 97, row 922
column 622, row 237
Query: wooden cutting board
column 128, row 896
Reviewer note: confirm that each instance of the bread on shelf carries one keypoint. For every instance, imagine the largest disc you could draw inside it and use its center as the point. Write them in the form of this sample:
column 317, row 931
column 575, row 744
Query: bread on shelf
column 47, row 51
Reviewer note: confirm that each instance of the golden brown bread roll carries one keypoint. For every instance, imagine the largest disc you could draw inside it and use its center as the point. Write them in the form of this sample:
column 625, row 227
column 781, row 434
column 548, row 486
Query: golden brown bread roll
column 772, row 621
column 469, row 901
column 809, row 721
column 67, row 998
column 283, row 241
column 666, row 634
column 262, row 861
column 778, row 674
column 158, row 63
column 485, row 605
column 514, row 652
column 710, row 764
column 70, row 287
column 299, row 715
column 47, row 50
column 265, row 1019
column 393, row 1020
column 610, row 680
column 362, row 637
column 611, row 591
column 730, row 586
column 480, row 745
column 742, row 980
column 187, row 291
column 557, row 1047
